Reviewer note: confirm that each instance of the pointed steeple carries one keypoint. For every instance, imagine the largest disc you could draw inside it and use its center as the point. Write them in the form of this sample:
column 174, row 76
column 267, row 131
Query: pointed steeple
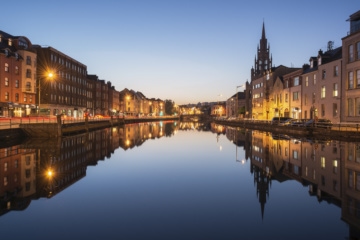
column 263, row 31
column 263, row 61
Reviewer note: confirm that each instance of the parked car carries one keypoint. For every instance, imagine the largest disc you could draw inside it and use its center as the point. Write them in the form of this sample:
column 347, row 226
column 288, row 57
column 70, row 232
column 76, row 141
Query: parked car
column 287, row 122
column 278, row 120
column 320, row 123
column 298, row 123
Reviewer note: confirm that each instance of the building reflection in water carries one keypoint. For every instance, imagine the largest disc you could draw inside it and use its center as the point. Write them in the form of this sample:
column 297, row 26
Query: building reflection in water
column 330, row 169
column 41, row 169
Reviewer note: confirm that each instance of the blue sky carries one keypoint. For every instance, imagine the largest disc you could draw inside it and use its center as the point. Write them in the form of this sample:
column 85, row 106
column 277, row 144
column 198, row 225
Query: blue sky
column 188, row 51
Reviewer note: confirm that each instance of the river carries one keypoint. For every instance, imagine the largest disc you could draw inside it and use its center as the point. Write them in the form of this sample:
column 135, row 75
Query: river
column 176, row 180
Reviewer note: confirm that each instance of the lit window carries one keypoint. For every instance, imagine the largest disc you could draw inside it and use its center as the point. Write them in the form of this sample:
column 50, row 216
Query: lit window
column 322, row 160
column 17, row 83
column 6, row 67
column 323, row 92
column 335, row 90
column 6, row 81
column 335, row 166
column 307, row 81
column 6, row 96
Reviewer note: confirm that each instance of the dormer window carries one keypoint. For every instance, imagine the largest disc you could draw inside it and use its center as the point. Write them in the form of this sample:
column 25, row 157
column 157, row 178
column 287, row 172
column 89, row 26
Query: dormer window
column 10, row 42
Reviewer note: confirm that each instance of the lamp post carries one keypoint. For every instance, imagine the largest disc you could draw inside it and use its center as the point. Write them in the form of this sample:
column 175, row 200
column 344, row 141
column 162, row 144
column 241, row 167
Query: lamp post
column 49, row 75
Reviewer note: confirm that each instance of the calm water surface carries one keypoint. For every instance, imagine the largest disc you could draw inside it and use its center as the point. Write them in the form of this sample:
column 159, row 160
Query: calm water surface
column 179, row 181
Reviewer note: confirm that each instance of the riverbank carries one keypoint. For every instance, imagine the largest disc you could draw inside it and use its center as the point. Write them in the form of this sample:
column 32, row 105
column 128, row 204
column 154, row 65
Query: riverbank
column 336, row 132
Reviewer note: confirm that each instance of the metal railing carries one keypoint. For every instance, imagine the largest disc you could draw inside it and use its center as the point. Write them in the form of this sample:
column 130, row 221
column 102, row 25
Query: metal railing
column 10, row 123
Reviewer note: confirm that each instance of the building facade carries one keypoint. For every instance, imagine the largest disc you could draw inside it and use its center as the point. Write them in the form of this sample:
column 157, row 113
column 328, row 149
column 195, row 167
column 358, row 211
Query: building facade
column 62, row 84
column 17, row 76
column 263, row 77
column 350, row 107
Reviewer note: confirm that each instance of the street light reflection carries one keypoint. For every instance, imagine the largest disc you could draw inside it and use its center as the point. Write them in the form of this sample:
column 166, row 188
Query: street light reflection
column 49, row 173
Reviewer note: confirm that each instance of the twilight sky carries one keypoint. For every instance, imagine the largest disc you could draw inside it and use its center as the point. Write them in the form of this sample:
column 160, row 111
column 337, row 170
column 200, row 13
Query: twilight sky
column 188, row 51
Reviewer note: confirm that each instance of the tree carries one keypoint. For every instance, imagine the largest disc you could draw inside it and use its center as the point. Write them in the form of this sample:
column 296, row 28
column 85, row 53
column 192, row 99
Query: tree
column 169, row 107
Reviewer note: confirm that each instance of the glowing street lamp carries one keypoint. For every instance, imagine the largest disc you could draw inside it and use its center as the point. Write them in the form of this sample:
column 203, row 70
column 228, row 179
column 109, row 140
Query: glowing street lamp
column 49, row 75
column 49, row 173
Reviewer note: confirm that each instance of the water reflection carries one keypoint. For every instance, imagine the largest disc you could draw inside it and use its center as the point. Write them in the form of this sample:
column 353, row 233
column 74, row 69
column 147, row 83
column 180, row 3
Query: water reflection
column 331, row 170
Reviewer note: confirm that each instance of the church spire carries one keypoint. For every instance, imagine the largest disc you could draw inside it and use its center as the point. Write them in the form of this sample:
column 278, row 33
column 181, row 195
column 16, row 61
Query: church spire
column 263, row 31
column 263, row 61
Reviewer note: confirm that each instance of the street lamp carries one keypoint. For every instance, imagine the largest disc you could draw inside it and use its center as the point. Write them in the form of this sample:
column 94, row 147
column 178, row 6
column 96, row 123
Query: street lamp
column 49, row 75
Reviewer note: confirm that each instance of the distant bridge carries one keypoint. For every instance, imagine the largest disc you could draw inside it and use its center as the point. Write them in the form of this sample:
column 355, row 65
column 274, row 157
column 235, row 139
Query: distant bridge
column 192, row 117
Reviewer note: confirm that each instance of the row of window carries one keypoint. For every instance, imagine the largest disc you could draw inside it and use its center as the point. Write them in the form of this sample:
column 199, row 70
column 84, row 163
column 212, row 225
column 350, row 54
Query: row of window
column 17, row 97
column 27, row 86
column 354, row 54
column 67, row 100
column 351, row 83
column 354, row 180
column 59, row 60
column 353, row 107
column 70, row 89
column 7, row 69
column 335, row 93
